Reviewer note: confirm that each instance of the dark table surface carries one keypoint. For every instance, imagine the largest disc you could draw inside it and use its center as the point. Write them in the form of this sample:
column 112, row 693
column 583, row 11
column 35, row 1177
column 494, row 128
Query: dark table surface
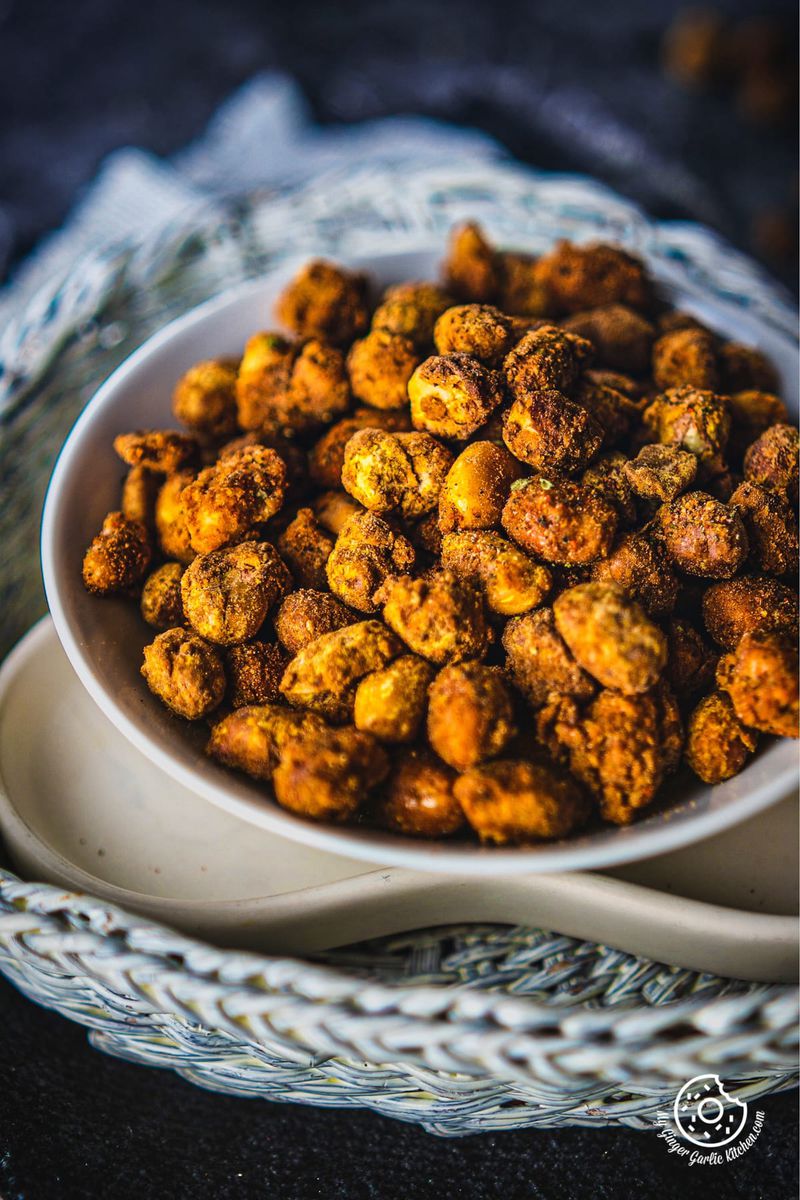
column 564, row 85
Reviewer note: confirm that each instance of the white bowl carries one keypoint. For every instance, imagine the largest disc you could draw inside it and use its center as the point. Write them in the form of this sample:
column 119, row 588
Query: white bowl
column 103, row 638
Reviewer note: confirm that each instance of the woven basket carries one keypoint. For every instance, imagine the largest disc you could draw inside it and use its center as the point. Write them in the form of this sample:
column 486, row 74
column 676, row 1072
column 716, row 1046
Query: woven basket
column 466, row 1029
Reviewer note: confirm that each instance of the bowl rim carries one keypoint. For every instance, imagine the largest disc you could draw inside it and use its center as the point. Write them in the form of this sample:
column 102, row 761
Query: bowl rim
column 608, row 847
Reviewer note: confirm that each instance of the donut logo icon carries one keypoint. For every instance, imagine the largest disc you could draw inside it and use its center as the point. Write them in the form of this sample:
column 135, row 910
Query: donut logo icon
column 706, row 1114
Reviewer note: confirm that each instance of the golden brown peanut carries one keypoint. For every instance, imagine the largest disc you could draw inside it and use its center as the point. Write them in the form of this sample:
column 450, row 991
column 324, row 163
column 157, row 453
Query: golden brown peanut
column 546, row 358
column 171, row 527
column 612, row 409
column 325, row 301
column 227, row 593
column 691, row 663
column 185, row 672
column 251, row 739
column 717, row 743
column 540, row 661
column 771, row 528
column 750, row 604
column 640, row 568
column 607, row 477
column 760, row 676
column 518, row 802
column 476, row 487
column 479, row 330
column 412, row 309
column 419, row 797
column 772, row 461
column 287, row 389
column 305, row 615
column 698, row 421
column 702, row 536
column 225, row 501
column 575, row 278
column 622, row 338
column 661, row 472
column 439, row 616
column 118, row 556
column 325, row 673
column 470, row 715
column 305, row 548
column 380, row 366
column 162, row 450
column 452, row 395
column 326, row 774
column 390, row 703
column 685, row 358
column 559, row 521
column 511, row 582
column 205, row 398
column 254, row 671
column 161, row 605
column 472, row 268
column 551, row 433
column 611, row 636
column 621, row 747
column 139, row 492
column 397, row 473
column 367, row 551
column 326, row 457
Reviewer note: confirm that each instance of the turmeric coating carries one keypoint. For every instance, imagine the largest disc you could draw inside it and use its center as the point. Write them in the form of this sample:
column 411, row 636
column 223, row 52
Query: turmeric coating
column 117, row 558
column 464, row 561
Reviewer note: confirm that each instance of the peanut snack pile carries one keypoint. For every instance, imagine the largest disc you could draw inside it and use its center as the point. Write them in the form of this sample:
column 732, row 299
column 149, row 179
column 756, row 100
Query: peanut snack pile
column 495, row 555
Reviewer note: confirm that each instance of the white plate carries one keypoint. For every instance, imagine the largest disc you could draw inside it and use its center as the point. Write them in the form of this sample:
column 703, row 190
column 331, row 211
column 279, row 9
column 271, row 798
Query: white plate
column 81, row 808
column 104, row 638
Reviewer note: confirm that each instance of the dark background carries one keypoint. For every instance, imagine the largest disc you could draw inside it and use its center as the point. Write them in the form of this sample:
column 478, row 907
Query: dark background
column 563, row 84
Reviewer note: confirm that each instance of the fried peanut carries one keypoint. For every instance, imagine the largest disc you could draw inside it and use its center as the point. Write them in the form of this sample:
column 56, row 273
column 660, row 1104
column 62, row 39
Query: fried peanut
column 750, row 604
column 752, row 412
column 575, row 278
column 306, row 615
column 226, row 500
column 326, row 457
column 325, row 301
column 412, row 310
column 171, row 528
column 717, row 743
column 771, row 528
column 745, row 369
column 205, row 398
column 685, row 358
column 161, row 450
column 698, row 421
column 611, row 636
column 551, row 433
column 324, row 674
column 622, row 338
column 251, row 739
column 480, row 330
column 395, row 472
column 453, row 395
column 518, row 801
column 661, row 473
column 440, row 617
column 702, row 536
column 760, row 676
column 391, row 703
column 139, row 493
column 161, row 605
column 227, row 593
column 772, row 461
column 305, row 548
column 254, row 671
column 283, row 388
column 326, row 774
column 540, row 662
column 185, row 672
column 380, row 366
column 691, row 663
column 607, row 476
column 640, row 568
column 419, row 798
column 476, row 487
column 546, row 358
column 559, row 521
column 366, row 552
column 118, row 556
column 470, row 715
column 472, row 268
column 511, row 582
